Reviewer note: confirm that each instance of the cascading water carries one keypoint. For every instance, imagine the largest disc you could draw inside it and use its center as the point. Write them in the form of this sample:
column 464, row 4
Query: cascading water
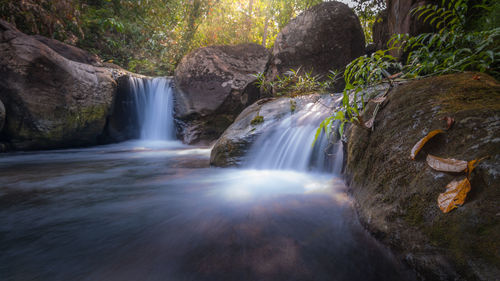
column 141, row 211
column 153, row 100
column 288, row 144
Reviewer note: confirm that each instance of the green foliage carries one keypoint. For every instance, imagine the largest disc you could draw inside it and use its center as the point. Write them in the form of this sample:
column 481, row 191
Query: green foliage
column 450, row 15
column 448, row 52
column 295, row 82
column 256, row 21
column 454, row 47
column 293, row 105
column 132, row 34
column 360, row 74
column 257, row 120
column 151, row 36
column 367, row 12
column 53, row 18
column 487, row 18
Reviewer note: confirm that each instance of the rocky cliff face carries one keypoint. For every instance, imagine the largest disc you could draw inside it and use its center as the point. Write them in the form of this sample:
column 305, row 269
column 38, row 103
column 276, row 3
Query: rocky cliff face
column 50, row 101
column 397, row 197
column 323, row 38
column 214, row 84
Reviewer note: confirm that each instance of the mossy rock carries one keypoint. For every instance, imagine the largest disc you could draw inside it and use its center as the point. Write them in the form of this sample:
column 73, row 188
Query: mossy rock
column 51, row 101
column 397, row 197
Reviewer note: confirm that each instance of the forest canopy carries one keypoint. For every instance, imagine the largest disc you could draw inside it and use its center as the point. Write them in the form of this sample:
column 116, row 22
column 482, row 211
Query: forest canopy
column 151, row 36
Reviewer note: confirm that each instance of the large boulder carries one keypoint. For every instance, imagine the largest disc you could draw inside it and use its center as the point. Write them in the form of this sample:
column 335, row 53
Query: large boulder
column 214, row 84
column 397, row 197
column 70, row 52
column 326, row 37
column 51, row 101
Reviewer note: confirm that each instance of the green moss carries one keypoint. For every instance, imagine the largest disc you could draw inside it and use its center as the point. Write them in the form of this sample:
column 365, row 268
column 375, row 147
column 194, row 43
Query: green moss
column 257, row 120
column 415, row 211
column 470, row 92
column 293, row 105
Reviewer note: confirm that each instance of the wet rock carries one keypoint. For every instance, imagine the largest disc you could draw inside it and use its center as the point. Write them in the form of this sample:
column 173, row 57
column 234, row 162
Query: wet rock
column 2, row 115
column 231, row 148
column 214, row 84
column 326, row 37
column 397, row 197
column 51, row 101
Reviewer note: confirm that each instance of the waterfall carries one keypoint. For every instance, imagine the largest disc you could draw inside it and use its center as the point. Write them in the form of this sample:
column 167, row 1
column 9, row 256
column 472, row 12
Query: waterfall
column 288, row 145
column 153, row 100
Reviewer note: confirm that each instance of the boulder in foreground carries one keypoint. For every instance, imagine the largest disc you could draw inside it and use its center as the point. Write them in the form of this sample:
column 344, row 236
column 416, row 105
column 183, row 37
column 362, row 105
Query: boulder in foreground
column 397, row 197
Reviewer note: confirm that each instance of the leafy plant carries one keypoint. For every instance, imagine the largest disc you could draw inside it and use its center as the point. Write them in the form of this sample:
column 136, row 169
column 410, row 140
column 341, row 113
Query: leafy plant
column 452, row 48
column 257, row 119
column 294, row 83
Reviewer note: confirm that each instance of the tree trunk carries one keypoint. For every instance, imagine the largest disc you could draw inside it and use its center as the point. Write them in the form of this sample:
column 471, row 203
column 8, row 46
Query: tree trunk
column 264, row 34
column 249, row 20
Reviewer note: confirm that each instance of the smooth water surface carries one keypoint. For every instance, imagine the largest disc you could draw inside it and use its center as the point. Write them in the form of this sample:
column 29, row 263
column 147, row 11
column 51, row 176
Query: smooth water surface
column 156, row 211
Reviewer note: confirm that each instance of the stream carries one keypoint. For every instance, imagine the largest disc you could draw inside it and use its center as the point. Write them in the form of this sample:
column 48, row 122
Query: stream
column 156, row 211
column 153, row 209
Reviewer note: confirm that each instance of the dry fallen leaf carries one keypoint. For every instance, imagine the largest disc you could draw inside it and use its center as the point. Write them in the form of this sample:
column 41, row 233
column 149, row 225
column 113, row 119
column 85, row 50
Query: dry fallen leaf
column 395, row 75
column 380, row 99
column 418, row 146
column 368, row 124
column 455, row 194
column 476, row 77
column 449, row 122
column 446, row 164
column 471, row 165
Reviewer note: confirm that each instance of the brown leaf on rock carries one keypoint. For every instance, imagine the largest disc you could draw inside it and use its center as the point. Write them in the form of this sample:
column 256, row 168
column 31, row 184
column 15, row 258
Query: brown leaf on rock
column 446, row 164
column 471, row 165
column 395, row 75
column 418, row 146
column 449, row 122
column 454, row 196
column 368, row 124
column 380, row 99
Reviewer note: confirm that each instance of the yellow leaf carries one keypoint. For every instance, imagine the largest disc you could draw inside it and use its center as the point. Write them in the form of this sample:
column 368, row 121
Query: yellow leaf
column 418, row 146
column 446, row 164
column 472, row 165
column 454, row 196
